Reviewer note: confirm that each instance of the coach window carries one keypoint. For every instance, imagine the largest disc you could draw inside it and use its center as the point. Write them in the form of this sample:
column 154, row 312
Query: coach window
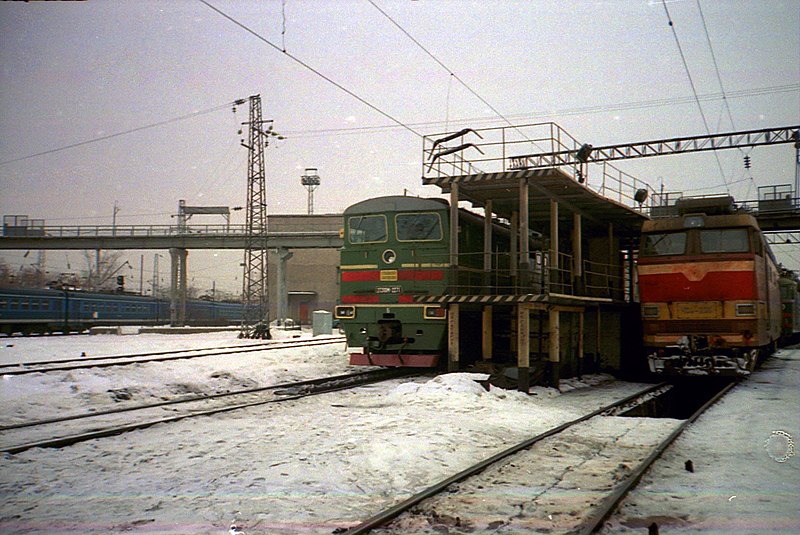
column 367, row 229
column 664, row 244
column 729, row 240
column 418, row 227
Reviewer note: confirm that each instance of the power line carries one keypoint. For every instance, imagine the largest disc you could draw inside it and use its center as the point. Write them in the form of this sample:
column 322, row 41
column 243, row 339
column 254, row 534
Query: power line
column 644, row 104
column 449, row 71
column 309, row 67
column 716, row 66
column 445, row 67
column 691, row 82
column 118, row 134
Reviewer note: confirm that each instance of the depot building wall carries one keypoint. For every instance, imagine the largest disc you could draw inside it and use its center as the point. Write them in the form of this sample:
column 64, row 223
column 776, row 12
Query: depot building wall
column 312, row 280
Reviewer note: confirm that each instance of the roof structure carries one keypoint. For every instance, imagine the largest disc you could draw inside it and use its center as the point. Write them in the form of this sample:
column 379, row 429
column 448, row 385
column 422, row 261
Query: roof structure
column 481, row 163
column 544, row 185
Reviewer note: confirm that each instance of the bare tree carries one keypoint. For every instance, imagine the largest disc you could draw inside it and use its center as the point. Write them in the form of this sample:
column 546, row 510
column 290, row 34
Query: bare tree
column 102, row 276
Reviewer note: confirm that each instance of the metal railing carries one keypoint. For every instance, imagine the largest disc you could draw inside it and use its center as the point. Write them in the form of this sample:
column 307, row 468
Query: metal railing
column 543, row 277
column 502, row 149
column 155, row 231
column 20, row 226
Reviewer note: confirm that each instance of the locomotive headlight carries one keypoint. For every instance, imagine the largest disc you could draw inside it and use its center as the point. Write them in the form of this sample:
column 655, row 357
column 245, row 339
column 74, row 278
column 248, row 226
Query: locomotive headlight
column 746, row 309
column 435, row 313
column 345, row 312
column 389, row 256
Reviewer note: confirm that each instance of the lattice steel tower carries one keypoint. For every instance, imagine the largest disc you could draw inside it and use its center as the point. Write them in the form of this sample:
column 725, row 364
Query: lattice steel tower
column 255, row 294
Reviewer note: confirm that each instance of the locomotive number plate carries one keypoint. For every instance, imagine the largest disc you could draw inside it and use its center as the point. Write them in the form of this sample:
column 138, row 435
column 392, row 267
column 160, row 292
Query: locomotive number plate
column 388, row 275
column 696, row 311
column 387, row 290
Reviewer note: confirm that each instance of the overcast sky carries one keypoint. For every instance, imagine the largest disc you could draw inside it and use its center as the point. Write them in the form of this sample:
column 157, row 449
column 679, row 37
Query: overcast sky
column 607, row 71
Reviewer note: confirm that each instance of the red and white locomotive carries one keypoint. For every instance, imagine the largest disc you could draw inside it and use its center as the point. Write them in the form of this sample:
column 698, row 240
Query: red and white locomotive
column 709, row 292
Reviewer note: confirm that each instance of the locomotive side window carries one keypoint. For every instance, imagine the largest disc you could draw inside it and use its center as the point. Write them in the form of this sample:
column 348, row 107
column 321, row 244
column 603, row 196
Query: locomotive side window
column 664, row 244
column 730, row 240
column 418, row 227
column 367, row 229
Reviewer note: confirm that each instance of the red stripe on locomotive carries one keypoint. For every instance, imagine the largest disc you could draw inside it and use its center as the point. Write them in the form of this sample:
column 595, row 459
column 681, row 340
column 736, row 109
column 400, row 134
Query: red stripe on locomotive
column 715, row 286
column 374, row 275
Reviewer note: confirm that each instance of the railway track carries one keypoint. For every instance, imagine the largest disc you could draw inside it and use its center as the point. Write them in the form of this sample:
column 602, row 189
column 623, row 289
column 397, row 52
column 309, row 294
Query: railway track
column 51, row 433
column 568, row 479
column 77, row 363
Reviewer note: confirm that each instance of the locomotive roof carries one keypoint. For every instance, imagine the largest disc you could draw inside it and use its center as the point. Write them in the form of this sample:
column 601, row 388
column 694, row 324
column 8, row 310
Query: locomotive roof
column 666, row 224
column 396, row 203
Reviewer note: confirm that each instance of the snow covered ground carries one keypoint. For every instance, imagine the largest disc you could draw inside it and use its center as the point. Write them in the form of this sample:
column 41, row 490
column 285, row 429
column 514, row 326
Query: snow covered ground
column 746, row 477
column 305, row 466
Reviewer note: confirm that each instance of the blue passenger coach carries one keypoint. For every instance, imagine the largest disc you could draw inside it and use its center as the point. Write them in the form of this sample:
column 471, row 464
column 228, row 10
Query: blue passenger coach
column 26, row 311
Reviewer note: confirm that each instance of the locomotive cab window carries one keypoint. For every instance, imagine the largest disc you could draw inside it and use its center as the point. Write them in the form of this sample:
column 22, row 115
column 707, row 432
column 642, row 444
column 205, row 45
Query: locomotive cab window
column 418, row 227
column 664, row 244
column 367, row 229
column 729, row 240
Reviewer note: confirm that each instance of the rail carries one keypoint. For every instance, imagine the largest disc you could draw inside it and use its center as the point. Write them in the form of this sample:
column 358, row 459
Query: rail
column 383, row 518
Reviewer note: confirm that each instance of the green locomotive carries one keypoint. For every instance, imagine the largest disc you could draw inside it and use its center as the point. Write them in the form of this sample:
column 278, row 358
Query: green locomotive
column 396, row 251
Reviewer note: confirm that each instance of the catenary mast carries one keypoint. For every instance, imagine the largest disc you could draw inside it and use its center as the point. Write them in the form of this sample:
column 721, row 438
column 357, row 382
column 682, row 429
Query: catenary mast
column 255, row 294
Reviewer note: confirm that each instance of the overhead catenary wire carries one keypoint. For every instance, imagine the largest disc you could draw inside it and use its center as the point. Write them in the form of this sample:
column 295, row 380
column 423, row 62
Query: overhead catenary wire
column 721, row 85
column 122, row 133
column 584, row 110
column 448, row 69
column 716, row 66
column 309, row 67
column 691, row 83
column 437, row 60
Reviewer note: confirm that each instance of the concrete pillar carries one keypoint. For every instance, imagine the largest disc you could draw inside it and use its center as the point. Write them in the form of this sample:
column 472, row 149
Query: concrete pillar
column 454, row 238
column 610, row 261
column 184, row 290
column 282, row 288
column 523, row 347
column 524, row 242
column 554, row 357
column 555, row 273
column 577, row 255
column 486, row 349
column 173, row 287
column 581, row 362
column 514, row 260
column 453, row 348
column 487, row 247
column 177, row 290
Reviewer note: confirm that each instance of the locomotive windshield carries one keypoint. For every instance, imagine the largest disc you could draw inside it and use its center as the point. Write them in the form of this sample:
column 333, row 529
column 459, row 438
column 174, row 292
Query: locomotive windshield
column 418, row 227
column 702, row 241
column 730, row 240
column 664, row 244
column 367, row 229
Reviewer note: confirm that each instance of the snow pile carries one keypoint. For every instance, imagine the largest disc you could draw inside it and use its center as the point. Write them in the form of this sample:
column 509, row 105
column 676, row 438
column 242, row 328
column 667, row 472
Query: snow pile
column 444, row 385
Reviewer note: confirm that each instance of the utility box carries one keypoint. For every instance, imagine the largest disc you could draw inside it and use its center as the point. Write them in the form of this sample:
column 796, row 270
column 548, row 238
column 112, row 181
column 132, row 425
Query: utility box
column 322, row 322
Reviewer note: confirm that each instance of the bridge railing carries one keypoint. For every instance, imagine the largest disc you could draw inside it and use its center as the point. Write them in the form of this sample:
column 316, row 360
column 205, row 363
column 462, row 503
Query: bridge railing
column 283, row 226
column 123, row 231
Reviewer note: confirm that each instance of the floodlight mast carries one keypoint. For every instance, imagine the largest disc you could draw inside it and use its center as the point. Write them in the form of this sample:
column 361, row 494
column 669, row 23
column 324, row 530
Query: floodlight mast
column 311, row 182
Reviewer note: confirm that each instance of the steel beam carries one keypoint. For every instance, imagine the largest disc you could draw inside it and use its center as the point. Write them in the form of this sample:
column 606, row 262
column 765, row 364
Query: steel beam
column 660, row 147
